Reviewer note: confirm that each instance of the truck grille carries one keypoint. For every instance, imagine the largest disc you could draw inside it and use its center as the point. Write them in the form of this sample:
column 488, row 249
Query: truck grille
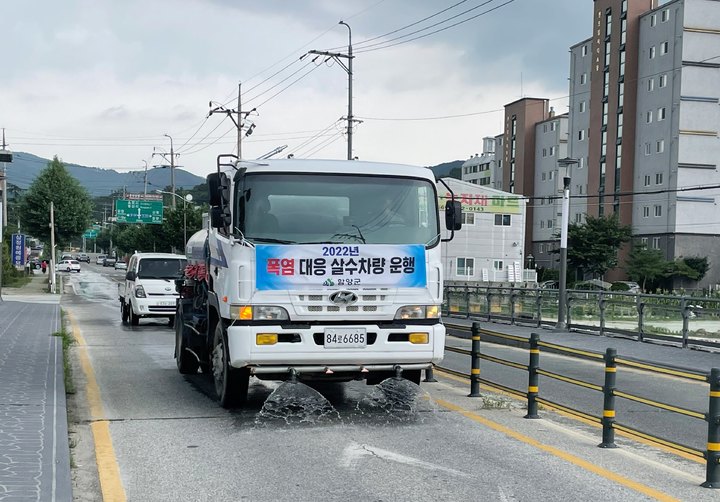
column 372, row 302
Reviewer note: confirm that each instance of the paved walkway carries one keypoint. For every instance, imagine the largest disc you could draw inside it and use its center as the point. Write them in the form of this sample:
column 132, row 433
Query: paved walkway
column 664, row 355
column 34, row 452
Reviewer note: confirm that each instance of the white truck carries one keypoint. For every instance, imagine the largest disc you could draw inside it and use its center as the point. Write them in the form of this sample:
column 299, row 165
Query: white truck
column 314, row 270
column 148, row 289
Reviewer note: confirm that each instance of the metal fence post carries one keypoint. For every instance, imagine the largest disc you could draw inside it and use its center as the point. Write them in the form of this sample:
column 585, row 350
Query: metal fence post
column 602, row 306
column 513, row 297
column 686, row 321
column 538, row 307
column 489, row 305
column 712, row 456
column 467, row 302
column 475, row 368
column 608, row 419
column 533, row 376
column 641, row 318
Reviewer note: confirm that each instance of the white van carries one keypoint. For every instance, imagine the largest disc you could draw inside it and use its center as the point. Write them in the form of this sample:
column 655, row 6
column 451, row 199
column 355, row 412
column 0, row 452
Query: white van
column 149, row 286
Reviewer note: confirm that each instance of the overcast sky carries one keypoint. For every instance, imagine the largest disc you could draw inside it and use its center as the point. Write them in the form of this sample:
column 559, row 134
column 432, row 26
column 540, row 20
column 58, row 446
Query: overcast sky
column 99, row 82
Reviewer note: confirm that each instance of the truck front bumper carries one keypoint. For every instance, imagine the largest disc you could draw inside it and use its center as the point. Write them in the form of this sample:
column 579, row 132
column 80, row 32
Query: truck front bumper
column 308, row 354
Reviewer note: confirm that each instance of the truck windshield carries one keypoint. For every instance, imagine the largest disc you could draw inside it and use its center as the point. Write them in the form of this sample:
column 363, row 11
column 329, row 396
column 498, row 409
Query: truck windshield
column 323, row 208
column 160, row 268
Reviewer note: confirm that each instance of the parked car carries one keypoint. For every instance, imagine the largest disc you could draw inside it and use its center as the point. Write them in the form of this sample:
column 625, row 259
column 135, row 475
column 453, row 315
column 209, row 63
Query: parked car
column 69, row 266
column 66, row 256
column 83, row 257
column 109, row 261
column 100, row 259
column 120, row 265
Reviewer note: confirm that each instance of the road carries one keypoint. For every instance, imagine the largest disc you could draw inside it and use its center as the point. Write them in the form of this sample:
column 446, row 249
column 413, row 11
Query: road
column 167, row 439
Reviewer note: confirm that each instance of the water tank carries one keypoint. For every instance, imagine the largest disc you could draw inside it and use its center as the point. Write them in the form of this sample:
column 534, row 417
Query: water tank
column 196, row 247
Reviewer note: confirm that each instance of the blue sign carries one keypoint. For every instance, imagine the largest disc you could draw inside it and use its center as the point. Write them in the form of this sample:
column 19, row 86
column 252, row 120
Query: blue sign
column 340, row 266
column 17, row 249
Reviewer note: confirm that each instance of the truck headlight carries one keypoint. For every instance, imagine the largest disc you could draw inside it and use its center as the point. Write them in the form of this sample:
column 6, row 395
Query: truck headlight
column 418, row 312
column 140, row 292
column 258, row 313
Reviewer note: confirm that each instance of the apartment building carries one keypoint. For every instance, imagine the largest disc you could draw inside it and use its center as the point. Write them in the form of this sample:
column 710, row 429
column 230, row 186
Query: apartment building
column 484, row 169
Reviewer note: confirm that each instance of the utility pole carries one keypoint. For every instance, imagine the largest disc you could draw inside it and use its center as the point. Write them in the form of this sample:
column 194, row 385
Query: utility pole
column 338, row 57
column 172, row 165
column 5, row 156
column 239, row 125
column 145, row 183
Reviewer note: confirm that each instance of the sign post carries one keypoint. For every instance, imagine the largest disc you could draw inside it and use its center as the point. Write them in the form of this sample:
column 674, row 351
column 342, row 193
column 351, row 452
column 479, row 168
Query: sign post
column 17, row 253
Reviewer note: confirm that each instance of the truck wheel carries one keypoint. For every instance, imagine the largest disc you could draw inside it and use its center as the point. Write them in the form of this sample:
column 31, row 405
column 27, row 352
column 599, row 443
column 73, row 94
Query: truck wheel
column 187, row 364
column 412, row 375
column 171, row 321
column 124, row 313
column 231, row 385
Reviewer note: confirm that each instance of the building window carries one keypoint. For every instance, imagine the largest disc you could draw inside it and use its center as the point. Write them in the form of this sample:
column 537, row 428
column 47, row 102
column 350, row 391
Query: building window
column 552, row 151
column 544, row 152
column 583, row 79
column 660, row 147
column 551, row 175
column 578, row 218
column 644, row 241
column 465, row 267
column 664, row 48
column 663, row 80
column 656, row 243
column 553, row 126
column 648, row 149
column 582, row 106
column 498, row 265
column 646, row 211
column 653, row 20
column 648, row 117
column 581, row 162
column 584, row 50
column 647, row 180
column 652, row 52
column 468, row 218
column 658, row 210
column 581, row 134
column 542, row 248
column 619, row 126
column 502, row 220
column 661, row 113
column 550, row 223
column 651, row 84
column 542, row 224
column 658, row 178
column 542, row 177
column 665, row 15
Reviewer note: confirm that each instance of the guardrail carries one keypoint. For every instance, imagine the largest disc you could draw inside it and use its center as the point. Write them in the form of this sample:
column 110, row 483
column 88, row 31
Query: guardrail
column 609, row 390
column 680, row 320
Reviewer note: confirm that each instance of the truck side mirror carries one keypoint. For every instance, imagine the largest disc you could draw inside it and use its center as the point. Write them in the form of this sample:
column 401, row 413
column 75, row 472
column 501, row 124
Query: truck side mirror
column 453, row 215
column 219, row 217
column 130, row 276
column 218, row 189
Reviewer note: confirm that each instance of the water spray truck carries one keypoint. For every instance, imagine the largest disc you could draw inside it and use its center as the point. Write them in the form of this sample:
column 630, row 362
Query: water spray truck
column 314, row 270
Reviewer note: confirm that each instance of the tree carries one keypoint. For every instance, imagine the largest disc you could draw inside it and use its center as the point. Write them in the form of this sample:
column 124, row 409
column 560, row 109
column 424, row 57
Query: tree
column 593, row 246
column 647, row 267
column 72, row 205
column 699, row 265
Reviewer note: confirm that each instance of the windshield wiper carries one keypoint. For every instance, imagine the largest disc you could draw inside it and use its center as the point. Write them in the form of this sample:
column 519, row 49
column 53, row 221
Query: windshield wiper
column 268, row 239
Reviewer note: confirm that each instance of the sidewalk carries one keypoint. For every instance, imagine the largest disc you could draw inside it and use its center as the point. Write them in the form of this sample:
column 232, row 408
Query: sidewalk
column 34, row 451
column 662, row 355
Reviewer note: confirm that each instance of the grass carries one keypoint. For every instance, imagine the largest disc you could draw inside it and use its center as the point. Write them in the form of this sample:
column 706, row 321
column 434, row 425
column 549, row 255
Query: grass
column 67, row 341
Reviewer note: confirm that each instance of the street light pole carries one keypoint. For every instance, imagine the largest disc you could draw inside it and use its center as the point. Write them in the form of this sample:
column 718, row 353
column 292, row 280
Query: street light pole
column 145, row 190
column 562, row 300
column 188, row 198
column 350, row 92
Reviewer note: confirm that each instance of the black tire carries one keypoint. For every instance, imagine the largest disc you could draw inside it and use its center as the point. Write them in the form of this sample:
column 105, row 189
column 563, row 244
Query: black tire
column 124, row 312
column 231, row 385
column 187, row 364
column 412, row 375
column 171, row 321
column 134, row 319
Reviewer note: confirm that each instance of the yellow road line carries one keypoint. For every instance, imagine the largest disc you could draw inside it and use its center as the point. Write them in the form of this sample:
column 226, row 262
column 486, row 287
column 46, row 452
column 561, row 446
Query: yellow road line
column 108, row 469
column 584, row 464
column 657, row 443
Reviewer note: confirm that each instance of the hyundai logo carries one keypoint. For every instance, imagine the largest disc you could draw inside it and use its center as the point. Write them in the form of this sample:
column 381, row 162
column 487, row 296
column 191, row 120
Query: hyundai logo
column 343, row 297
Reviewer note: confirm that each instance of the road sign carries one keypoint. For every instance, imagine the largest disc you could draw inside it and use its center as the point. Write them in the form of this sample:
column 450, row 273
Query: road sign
column 138, row 211
column 143, row 196
column 17, row 251
column 90, row 234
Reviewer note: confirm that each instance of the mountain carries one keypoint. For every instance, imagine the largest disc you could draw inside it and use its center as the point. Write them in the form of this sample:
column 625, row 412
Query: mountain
column 25, row 167
column 451, row 169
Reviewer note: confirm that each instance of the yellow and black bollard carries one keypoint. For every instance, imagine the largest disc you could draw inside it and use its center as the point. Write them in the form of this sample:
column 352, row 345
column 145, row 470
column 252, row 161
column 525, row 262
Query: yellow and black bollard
column 475, row 357
column 712, row 456
column 533, row 377
column 608, row 419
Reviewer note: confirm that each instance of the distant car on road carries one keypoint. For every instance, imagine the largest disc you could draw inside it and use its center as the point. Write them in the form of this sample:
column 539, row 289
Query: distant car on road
column 100, row 259
column 109, row 261
column 120, row 265
column 83, row 257
column 69, row 266
column 66, row 256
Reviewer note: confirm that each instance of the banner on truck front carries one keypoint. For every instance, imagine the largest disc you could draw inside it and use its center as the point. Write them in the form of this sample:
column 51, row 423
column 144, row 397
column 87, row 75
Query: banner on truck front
column 334, row 265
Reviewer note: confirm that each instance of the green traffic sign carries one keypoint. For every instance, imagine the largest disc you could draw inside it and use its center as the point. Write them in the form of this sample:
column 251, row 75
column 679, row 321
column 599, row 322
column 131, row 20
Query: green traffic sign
column 138, row 211
column 90, row 234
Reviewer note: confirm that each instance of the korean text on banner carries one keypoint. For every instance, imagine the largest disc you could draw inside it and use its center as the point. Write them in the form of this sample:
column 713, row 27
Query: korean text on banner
column 326, row 265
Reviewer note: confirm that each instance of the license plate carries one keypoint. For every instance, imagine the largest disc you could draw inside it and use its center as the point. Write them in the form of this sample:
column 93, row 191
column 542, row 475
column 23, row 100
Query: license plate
column 342, row 338
column 167, row 304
